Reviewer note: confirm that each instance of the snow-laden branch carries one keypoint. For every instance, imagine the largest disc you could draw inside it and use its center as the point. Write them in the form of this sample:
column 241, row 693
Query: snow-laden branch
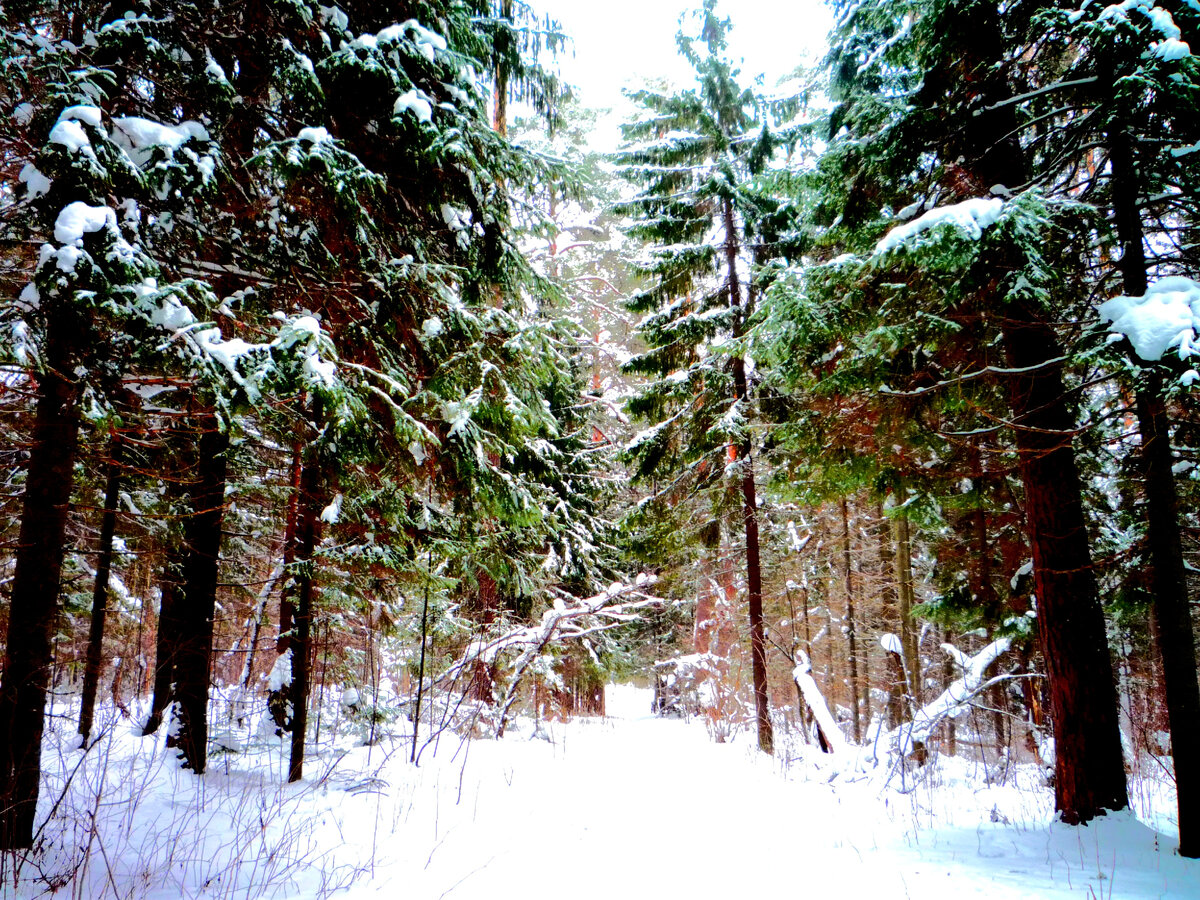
column 802, row 675
column 569, row 618
column 953, row 700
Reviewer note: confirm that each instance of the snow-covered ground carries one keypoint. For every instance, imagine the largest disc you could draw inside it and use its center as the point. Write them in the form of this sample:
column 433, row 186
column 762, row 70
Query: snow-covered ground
column 628, row 806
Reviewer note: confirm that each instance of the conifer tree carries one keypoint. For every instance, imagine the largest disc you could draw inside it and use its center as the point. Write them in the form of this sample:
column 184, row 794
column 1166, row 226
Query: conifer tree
column 1123, row 106
column 925, row 104
column 699, row 213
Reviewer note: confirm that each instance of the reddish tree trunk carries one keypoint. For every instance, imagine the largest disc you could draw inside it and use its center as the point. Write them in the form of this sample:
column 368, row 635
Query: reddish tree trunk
column 1089, row 770
column 758, row 644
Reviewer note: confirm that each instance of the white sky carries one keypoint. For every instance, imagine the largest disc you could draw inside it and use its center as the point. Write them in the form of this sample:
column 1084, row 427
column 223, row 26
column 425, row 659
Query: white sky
column 618, row 43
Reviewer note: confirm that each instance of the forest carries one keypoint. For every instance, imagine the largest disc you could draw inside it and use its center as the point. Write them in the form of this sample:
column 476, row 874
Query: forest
column 356, row 402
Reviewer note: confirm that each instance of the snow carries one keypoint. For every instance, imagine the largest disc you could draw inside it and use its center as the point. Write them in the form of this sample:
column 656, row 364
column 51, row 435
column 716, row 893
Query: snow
column 71, row 135
column 802, row 675
column 970, row 216
column 335, row 16
column 627, row 806
column 281, row 672
column 82, row 113
column 78, row 219
column 429, row 43
column 315, row 135
column 1166, row 317
column 891, row 644
column 417, row 103
column 36, row 184
column 138, row 137
column 1170, row 48
column 333, row 511
column 213, row 68
column 952, row 701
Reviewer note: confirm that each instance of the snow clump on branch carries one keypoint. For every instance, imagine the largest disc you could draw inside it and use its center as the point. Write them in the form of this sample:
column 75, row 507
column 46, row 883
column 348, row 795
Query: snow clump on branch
column 1166, row 317
column 972, row 216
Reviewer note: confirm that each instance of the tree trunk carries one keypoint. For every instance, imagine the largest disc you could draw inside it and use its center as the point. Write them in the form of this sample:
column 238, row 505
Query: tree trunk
column 1089, row 770
column 108, row 525
column 166, row 644
column 277, row 699
column 500, row 104
column 889, row 585
column 34, row 600
column 758, row 644
column 908, row 635
column 202, row 538
column 1168, row 578
column 949, row 675
column 851, row 636
column 307, row 533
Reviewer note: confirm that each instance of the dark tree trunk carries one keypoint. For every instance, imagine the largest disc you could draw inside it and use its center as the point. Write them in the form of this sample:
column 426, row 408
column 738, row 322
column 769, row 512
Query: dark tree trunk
column 949, row 674
column 307, row 532
column 34, row 601
column 277, row 700
column 202, row 538
column 1089, row 770
column 503, row 41
column 166, row 644
column 758, row 644
column 108, row 526
column 1168, row 580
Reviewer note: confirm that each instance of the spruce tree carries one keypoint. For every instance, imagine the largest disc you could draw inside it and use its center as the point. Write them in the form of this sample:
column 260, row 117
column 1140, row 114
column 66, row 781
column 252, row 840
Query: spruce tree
column 925, row 119
column 698, row 212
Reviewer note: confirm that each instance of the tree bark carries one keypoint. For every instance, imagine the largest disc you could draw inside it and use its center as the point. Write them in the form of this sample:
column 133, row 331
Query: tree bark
column 202, row 539
column 166, row 644
column 851, row 635
column 758, row 644
column 36, row 581
column 889, row 586
column 908, row 636
column 108, row 525
column 277, row 700
column 307, row 533
column 500, row 104
column 1168, row 579
column 1089, row 770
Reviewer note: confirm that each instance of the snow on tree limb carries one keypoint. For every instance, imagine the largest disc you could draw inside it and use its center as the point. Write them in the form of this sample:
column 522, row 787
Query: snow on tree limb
column 559, row 623
column 802, row 675
column 953, row 700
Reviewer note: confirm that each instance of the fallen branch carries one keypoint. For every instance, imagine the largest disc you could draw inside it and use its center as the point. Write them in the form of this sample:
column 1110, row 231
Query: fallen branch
column 569, row 619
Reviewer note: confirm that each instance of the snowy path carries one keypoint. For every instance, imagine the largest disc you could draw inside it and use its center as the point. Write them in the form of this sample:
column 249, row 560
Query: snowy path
column 636, row 807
